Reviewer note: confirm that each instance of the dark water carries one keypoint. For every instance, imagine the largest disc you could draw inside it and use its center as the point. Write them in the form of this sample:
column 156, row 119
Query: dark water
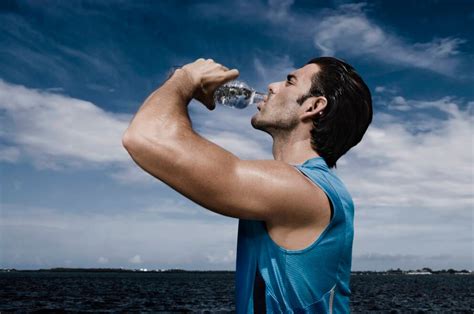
column 202, row 292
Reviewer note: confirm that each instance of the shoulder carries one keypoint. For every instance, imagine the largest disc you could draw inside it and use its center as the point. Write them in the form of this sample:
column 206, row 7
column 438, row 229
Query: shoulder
column 284, row 194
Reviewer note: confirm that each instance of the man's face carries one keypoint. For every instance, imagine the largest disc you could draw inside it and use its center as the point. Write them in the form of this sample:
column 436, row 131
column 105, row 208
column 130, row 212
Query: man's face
column 280, row 111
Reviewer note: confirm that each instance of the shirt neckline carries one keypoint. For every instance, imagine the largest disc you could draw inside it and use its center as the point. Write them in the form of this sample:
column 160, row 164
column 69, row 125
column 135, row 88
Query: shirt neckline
column 312, row 161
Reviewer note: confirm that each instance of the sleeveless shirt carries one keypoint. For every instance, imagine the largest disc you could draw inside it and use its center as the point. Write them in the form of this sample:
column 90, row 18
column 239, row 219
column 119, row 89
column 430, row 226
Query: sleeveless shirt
column 314, row 279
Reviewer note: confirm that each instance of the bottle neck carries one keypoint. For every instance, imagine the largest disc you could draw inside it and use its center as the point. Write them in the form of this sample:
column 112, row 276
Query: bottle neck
column 257, row 97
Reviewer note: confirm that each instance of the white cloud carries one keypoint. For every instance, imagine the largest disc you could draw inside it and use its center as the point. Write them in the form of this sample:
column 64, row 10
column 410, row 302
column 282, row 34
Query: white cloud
column 274, row 69
column 380, row 89
column 136, row 259
column 348, row 30
column 425, row 167
column 279, row 9
column 131, row 173
column 227, row 258
column 9, row 154
column 345, row 30
column 102, row 260
column 151, row 237
column 245, row 148
column 230, row 128
column 57, row 132
column 385, row 90
column 413, row 188
column 379, row 262
column 273, row 11
column 399, row 103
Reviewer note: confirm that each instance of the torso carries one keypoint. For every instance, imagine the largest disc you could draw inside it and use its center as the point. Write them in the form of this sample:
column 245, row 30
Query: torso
column 290, row 239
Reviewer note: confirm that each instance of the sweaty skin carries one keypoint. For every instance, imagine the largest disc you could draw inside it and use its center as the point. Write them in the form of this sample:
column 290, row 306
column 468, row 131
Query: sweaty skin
column 161, row 140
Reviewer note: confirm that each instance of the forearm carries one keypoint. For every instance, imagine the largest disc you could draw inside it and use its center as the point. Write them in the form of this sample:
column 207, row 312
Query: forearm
column 161, row 141
column 164, row 114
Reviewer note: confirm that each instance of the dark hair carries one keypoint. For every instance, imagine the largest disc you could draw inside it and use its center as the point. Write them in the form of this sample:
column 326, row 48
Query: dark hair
column 348, row 112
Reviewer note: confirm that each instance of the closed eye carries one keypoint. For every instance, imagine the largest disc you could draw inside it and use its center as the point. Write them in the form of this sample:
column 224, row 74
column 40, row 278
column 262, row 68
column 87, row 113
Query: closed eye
column 289, row 77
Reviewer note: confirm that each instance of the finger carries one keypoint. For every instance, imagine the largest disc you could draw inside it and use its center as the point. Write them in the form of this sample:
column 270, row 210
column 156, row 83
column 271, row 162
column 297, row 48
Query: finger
column 231, row 75
column 211, row 105
column 221, row 67
column 208, row 101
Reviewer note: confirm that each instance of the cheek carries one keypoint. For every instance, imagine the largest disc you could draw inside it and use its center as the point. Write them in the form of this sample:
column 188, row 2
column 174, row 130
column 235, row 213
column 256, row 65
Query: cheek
column 278, row 100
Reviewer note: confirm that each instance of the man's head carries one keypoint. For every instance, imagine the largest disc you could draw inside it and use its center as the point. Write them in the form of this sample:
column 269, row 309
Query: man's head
column 325, row 99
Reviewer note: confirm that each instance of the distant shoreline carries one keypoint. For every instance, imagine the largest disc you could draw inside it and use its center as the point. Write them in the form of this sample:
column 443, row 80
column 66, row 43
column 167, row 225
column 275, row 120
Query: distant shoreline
column 424, row 271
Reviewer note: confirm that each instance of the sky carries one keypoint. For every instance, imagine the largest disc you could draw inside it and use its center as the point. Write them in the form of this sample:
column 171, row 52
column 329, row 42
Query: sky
column 73, row 73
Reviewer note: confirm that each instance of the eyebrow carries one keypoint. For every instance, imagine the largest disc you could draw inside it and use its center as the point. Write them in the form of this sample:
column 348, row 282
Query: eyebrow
column 290, row 76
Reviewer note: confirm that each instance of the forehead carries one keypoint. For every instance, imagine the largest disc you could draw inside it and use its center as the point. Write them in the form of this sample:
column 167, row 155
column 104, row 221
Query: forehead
column 305, row 73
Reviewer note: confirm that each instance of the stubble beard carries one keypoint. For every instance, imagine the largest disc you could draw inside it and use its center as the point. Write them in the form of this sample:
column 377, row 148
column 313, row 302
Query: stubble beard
column 274, row 127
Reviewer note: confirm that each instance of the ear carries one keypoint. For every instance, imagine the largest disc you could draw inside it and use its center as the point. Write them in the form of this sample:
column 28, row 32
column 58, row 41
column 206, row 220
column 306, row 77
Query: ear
column 313, row 107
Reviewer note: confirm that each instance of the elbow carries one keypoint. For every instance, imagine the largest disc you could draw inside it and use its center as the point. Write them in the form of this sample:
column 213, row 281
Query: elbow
column 129, row 139
column 139, row 147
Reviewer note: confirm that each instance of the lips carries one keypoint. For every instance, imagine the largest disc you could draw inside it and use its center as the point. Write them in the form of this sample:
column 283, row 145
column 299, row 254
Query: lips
column 261, row 103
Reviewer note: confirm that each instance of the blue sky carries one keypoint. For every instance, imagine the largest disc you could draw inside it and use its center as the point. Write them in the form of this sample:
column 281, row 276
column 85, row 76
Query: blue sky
column 72, row 74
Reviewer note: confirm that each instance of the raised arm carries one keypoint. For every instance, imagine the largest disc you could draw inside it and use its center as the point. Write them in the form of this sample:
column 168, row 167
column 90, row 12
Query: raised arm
column 160, row 139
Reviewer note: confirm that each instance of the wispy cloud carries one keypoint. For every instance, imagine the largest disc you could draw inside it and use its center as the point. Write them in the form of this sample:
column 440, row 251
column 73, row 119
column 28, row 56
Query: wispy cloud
column 58, row 132
column 102, row 260
column 9, row 154
column 249, row 149
column 274, row 68
column 137, row 259
column 378, row 261
column 125, row 239
column 424, row 158
column 279, row 9
column 227, row 258
column 348, row 30
column 385, row 90
column 413, row 185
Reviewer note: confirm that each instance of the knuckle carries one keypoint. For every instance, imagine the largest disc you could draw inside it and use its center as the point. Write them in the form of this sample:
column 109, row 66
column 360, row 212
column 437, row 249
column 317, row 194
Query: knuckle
column 222, row 66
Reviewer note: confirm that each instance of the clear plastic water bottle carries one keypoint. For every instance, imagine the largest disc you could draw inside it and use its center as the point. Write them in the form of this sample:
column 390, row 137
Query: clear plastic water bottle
column 237, row 94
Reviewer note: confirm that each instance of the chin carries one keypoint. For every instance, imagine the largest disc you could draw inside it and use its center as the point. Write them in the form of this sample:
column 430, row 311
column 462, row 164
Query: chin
column 254, row 121
column 259, row 124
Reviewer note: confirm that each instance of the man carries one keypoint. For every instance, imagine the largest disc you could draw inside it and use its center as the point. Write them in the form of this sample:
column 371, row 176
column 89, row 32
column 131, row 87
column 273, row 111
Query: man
column 295, row 233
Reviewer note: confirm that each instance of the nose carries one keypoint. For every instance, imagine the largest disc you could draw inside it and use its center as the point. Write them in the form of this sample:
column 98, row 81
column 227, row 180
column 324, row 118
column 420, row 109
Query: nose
column 271, row 88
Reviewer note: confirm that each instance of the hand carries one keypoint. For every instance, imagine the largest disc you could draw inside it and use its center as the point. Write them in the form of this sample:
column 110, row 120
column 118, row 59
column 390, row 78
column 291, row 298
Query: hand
column 207, row 76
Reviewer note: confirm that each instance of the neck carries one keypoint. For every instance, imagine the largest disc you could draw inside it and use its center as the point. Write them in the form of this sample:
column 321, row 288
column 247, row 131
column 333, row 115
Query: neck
column 292, row 149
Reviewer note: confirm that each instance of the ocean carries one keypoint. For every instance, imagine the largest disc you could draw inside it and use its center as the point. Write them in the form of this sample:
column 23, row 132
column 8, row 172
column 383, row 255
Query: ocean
column 213, row 292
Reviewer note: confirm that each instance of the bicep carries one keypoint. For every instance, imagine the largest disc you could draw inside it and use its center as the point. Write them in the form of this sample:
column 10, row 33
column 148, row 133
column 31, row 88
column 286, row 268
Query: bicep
column 221, row 182
column 191, row 165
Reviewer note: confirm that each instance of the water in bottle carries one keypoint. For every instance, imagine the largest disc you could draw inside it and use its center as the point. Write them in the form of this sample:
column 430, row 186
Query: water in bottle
column 237, row 94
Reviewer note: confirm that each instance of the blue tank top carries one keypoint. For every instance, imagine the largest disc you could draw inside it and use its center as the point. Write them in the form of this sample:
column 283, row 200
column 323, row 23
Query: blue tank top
column 311, row 280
